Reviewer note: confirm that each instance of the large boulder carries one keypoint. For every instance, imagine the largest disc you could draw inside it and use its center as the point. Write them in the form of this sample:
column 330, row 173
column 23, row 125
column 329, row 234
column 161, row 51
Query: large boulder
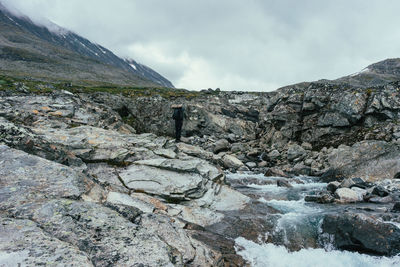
column 372, row 160
column 363, row 233
column 347, row 195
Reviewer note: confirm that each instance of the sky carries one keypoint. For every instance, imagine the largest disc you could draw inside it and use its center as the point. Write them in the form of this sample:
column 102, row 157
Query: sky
column 249, row 45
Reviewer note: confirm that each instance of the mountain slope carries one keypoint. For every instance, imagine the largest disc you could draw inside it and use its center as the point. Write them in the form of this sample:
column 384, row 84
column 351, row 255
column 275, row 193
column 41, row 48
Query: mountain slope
column 32, row 50
column 376, row 74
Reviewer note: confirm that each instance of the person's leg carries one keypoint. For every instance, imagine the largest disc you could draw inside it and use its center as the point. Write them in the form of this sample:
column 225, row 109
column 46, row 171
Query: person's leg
column 178, row 129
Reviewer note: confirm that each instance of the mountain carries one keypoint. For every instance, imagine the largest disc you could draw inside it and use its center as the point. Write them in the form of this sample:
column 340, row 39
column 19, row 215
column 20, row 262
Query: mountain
column 54, row 53
column 376, row 74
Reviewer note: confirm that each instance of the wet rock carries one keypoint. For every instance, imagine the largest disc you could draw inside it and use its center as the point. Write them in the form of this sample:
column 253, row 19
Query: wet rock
column 363, row 233
column 301, row 169
column 322, row 198
column 332, row 186
column 225, row 248
column 274, row 172
column 380, row 191
column 381, row 200
column 283, row 183
column 347, row 195
column 355, row 182
column 396, row 207
column 331, row 175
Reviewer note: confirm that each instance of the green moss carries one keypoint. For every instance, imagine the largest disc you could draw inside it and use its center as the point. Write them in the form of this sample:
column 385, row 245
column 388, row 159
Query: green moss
column 36, row 86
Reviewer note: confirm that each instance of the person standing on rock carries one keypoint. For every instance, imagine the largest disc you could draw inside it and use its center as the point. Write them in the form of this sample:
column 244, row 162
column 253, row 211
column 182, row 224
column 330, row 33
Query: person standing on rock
column 178, row 117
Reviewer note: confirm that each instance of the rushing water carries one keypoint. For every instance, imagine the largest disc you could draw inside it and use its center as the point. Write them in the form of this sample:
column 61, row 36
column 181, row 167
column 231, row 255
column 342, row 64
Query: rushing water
column 296, row 222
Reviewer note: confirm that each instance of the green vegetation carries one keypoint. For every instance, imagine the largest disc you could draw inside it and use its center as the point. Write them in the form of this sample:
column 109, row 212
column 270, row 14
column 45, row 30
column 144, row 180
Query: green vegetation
column 44, row 87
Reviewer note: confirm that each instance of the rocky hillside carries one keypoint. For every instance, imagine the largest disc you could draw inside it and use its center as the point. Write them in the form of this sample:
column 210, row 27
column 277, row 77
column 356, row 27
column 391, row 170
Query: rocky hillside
column 53, row 53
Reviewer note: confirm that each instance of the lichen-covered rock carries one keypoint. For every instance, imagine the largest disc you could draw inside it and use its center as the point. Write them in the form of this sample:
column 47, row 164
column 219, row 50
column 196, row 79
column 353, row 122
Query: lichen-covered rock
column 25, row 178
column 24, row 243
column 102, row 233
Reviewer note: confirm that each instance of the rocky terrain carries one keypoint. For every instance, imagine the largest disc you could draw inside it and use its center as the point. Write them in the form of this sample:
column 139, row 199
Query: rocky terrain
column 93, row 177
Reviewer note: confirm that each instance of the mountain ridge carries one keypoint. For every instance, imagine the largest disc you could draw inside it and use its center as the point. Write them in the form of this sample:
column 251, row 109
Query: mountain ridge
column 25, row 41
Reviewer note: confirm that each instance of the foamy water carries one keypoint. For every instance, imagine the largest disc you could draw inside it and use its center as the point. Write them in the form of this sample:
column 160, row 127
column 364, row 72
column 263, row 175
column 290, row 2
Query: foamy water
column 266, row 255
column 294, row 223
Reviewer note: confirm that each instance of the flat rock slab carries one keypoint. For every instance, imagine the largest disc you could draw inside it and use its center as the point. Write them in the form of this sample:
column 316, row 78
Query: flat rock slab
column 162, row 182
column 25, row 178
column 23, row 243
column 190, row 165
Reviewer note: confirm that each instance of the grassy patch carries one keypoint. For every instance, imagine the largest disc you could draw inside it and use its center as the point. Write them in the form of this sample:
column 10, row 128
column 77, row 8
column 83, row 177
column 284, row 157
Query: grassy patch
column 40, row 87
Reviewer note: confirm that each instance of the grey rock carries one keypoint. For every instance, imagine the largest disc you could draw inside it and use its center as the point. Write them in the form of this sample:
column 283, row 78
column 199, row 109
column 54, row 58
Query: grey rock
column 322, row 198
column 396, row 207
column 251, row 164
column 274, row 154
column 26, row 178
column 283, row 183
column 380, row 191
column 295, row 151
column 362, row 233
column 374, row 160
column 124, row 199
column 24, row 243
column 230, row 161
column 381, row 200
column 333, row 119
column 166, row 153
column 102, row 233
column 165, row 183
column 220, row 146
column 301, row 169
column 347, row 195
column 194, row 151
column 332, row 186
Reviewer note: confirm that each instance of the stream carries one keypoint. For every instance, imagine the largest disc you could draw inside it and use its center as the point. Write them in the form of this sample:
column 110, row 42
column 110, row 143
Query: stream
column 293, row 238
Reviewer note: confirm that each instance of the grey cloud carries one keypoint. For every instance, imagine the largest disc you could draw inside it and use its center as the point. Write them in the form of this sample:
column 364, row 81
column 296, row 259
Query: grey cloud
column 233, row 44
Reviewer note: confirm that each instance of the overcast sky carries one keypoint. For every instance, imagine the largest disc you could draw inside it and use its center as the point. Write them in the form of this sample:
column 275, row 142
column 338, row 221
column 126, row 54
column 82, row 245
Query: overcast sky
column 252, row 45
